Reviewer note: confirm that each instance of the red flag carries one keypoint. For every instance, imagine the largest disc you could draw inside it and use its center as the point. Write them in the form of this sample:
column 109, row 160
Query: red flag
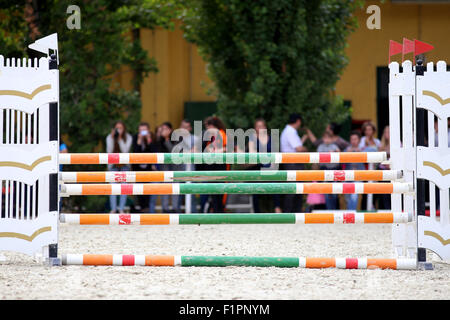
column 408, row 46
column 421, row 47
column 394, row 48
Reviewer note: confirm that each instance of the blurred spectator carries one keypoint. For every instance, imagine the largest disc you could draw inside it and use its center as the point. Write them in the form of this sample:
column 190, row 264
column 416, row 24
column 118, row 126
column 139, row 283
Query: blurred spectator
column 384, row 199
column 216, row 132
column 385, row 145
column 165, row 145
column 315, row 201
column 355, row 139
column 118, row 141
column 333, row 130
column 368, row 141
column 187, row 145
column 143, row 142
column 261, row 142
column 290, row 142
column 327, row 145
column 190, row 140
column 62, row 149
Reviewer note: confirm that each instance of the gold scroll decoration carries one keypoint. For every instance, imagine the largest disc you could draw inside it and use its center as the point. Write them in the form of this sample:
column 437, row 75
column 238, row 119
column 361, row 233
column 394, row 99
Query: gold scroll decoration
column 436, row 167
column 436, row 96
column 437, row 236
column 24, row 94
column 24, row 236
column 25, row 166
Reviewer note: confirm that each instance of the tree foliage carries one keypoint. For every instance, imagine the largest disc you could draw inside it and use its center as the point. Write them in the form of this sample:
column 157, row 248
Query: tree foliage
column 271, row 58
column 107, row 43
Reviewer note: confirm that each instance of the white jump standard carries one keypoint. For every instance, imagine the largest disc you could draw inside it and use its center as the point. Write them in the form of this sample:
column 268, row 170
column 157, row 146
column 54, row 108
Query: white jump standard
column 33, row 184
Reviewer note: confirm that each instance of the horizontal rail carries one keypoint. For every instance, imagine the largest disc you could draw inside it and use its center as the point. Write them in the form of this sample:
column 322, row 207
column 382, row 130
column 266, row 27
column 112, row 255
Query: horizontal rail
column 234, row 188
column 214, row 158
column 234, row 218
column 223, row 261
column 240, row 175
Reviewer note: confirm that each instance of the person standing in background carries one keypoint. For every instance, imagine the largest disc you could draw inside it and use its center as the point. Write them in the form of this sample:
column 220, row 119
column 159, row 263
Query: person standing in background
column 355, row 138
column 384, row 199
column 368, row 142
column 143, row 143
column 333, row 130
column 62, row 149
column 327, row 145
column 315, row 201
column 165, row 145
column 261, row 142
column 118, row 141
column 216, row 131
column 187, row 145
column 290, row 142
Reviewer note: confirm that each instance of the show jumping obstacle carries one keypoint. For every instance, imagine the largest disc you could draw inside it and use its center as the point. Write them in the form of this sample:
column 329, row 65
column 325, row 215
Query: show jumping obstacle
column 266, row 175
column 31, row 184
column 235, row 218
column 233, row 188
column 220, row 261
column 225, row 158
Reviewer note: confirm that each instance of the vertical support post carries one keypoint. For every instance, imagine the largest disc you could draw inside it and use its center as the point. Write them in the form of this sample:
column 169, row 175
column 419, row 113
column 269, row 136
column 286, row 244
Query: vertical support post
column 53, row 178
column 188, row 197
column 420, row 139
column 53, row 250
column 369, row 205
column 398, row 230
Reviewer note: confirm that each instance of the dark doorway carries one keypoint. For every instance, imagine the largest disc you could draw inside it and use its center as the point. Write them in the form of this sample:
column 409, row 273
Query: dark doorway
column 382, row 99
column 198, row 111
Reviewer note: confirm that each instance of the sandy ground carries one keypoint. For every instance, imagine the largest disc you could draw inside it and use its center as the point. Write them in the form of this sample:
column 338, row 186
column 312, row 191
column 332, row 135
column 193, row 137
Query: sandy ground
column 22, row 278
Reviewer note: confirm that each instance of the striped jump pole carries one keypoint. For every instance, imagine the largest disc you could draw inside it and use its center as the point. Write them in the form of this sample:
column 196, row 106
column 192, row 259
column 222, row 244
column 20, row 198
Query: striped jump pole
column 221, row 261
column 222, row 158
column 240, row 175
column 234, row 188
column 235, row 218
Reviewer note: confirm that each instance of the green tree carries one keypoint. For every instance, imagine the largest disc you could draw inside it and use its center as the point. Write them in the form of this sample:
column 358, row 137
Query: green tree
column 271, row 58
column 107, row 41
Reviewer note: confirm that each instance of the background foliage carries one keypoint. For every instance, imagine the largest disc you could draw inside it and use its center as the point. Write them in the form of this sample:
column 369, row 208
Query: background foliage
column 267, row 58
column 107, row 43
column 271, row 58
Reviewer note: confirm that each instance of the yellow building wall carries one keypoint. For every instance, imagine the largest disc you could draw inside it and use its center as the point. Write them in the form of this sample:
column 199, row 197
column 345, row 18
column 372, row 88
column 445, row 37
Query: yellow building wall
column 368, row 49
column 182, row 71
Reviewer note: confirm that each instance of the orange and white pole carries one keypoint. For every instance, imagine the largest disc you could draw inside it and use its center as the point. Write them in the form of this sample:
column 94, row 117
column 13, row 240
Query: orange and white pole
column 240, row 175
column 234, row 188
column 224, row 261
column 228, row 158
column 236, row 218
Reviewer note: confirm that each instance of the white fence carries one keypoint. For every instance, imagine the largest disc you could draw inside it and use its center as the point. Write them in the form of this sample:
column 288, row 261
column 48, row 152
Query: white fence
column 419, row 97
column 29, row 147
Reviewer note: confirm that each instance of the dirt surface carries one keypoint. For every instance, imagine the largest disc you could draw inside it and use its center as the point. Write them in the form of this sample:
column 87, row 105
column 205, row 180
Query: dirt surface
column 22, row 278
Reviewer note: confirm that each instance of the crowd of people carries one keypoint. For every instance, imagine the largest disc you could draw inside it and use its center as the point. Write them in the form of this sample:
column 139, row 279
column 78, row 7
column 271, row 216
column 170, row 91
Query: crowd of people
column 162, row 140
column 363, row 140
